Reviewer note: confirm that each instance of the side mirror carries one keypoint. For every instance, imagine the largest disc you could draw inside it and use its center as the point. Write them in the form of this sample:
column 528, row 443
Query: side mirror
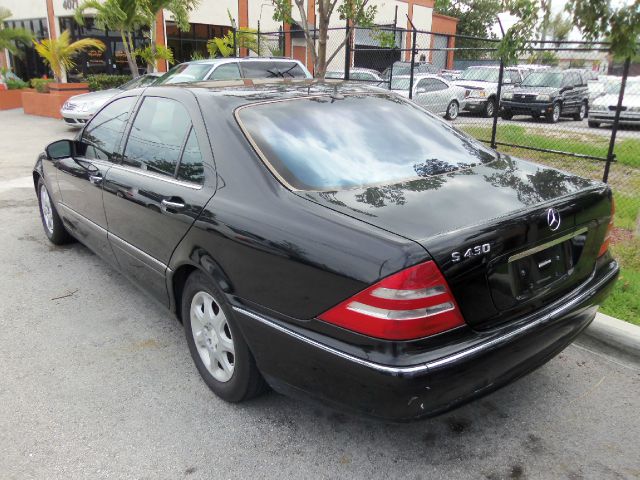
column 60, row 149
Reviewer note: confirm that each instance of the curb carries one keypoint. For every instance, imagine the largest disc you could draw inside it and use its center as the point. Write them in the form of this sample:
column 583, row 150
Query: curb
column 613, row 336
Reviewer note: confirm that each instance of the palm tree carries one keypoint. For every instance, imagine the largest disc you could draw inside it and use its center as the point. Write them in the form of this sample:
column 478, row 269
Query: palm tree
column 123, row 16
column 9, row 36
column 180, row 10
column 58, row 53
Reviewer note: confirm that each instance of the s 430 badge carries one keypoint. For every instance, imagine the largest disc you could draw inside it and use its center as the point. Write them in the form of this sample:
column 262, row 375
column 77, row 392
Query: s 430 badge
column 470, row 252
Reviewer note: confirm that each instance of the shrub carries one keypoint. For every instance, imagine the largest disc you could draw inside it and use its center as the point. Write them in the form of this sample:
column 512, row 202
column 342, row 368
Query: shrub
column 103, row 81
column 41, row 84
column 16, row 84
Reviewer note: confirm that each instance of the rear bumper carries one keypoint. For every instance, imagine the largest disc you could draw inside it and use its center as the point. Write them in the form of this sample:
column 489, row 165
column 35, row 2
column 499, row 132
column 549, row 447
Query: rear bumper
column 294, row 363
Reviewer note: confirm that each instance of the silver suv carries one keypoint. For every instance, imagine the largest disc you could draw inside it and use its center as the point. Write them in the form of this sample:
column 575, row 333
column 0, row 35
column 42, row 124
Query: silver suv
column 234, row 69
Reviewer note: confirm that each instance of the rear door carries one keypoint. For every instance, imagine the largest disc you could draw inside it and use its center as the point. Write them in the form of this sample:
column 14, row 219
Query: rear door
column 155, row 193
column 81, row 179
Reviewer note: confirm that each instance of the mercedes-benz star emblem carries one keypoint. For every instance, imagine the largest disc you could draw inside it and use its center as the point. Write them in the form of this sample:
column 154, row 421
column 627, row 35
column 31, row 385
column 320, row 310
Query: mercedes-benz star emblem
column 553, row 219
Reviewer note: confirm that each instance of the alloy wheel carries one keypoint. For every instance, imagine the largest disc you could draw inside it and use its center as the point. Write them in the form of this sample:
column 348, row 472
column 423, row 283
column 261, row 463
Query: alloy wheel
column 583, row 111
column 556, row 112
column 47, row 211
column 212, row 336
column 453, row 111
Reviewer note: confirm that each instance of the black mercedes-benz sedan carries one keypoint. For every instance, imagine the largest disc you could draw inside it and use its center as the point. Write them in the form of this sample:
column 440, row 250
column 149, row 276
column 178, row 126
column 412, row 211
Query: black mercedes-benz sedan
column 334, row 240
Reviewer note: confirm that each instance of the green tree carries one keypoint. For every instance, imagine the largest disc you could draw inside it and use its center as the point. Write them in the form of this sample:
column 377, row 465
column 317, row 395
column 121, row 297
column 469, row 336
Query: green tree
column 149, row 10
column 123, row 16
column 9, row 37
column 560, row 28
column 227, row 45
column 598, row 20
column 544, row 58
column 518, row 38
column 358, row 12
column 58, row 53
column 475, row 19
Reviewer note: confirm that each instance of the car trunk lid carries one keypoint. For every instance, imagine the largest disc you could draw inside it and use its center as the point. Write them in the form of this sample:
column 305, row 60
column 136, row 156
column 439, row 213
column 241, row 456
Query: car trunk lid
column 486, row 225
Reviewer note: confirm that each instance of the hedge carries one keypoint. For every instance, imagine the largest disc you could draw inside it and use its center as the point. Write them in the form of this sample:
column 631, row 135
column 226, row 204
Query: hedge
column 104, row 81
column 16, row 84
column 41, row 84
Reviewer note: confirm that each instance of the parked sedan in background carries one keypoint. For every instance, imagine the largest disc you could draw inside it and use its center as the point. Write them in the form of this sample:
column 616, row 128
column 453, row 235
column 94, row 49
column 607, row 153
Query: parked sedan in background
column 344, row 244
column 404, row 68
column 432, row 92
column 367, row 75
column 603, row 109
column 233, row 68
column 80, row 108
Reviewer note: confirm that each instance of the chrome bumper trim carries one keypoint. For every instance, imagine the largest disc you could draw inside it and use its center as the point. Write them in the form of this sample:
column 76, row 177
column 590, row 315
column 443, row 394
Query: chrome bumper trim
column 561, row 306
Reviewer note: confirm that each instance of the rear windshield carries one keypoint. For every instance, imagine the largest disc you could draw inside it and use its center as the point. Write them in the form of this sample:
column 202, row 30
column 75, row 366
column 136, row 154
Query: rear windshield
column 186, row 72
column 353, row 141
column 264, row 69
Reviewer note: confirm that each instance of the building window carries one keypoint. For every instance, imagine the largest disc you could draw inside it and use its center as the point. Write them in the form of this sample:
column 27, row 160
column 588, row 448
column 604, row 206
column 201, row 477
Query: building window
column 185, row 44
column 29, row 65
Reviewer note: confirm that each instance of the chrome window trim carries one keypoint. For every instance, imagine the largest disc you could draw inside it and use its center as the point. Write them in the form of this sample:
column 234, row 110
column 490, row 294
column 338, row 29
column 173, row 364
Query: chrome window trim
column 562, row 305
column 546, row 245
column 157, row 176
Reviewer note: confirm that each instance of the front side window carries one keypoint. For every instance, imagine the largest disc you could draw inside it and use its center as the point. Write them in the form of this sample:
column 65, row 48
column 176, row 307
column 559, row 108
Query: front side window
column 338, row 144
column 226, row 71
column 103, row 133
column 270, row 69
column 157, row 135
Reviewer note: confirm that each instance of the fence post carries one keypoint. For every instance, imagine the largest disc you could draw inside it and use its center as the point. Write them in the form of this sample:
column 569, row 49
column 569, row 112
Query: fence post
column 614, row 129
column 347, row 51
column 496, row 110
column 258, row 46
column 413, row 60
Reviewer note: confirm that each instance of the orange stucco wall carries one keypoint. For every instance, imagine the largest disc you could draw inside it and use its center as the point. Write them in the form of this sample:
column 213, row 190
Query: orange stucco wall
column 447, row 25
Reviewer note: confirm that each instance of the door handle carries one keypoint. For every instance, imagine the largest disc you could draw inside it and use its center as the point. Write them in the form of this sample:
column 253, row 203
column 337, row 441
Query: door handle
column 95, row 179
column 173, row 205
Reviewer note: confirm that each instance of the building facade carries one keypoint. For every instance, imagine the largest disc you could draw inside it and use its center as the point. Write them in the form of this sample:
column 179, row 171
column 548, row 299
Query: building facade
column 214, row 18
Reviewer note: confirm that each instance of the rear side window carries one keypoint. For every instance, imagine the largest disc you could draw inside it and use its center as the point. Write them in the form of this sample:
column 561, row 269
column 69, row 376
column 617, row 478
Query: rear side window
column 226, row 71
column 355, row 141
column 191, row 167
column 266, row 69
column 104, row 132
column 157, row 136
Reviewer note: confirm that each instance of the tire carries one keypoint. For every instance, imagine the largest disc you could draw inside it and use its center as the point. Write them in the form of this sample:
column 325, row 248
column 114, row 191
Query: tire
column 506, row 115
column 234, row 377
column 489, row 108
column 554, row 116
column 453, row 109
column 581, row 113
column 593, row 124
column 51, row 221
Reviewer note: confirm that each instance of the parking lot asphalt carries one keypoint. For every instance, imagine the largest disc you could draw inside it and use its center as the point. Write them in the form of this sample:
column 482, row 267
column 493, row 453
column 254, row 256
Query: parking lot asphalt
column 97, row 382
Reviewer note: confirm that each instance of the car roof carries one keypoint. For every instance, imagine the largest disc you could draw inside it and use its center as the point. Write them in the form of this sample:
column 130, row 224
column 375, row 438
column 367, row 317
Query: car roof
column 215, row 61
column 420, row 76
column 235, row 93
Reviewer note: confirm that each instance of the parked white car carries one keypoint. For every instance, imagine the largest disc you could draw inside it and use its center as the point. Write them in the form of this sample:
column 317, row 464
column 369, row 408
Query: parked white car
column 79, row 109
column 603, row 109
column 433, row 93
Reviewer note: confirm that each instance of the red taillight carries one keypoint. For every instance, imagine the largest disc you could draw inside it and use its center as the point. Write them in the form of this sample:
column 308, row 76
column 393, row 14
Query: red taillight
column 413, row 303
column 607, row 237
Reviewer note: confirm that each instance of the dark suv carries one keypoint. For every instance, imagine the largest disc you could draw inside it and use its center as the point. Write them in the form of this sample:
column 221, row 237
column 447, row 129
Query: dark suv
column 548, row 93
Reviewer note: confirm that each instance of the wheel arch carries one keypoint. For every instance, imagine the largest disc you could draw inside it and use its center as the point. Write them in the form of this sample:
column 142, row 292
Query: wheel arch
column 201, row 261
